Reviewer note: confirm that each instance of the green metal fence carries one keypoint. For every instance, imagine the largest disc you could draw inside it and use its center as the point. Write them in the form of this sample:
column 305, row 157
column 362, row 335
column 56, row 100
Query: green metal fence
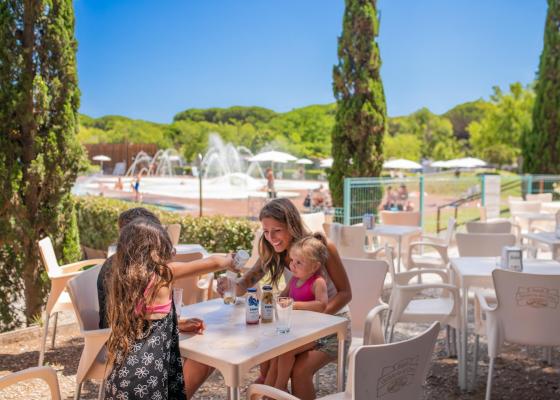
column 439, row 196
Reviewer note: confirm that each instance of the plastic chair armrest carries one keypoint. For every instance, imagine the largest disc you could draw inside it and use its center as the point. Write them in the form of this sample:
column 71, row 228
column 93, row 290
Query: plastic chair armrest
column 417, row 287
column 65, row 277
column 438, row 246
column 403, row 278
column 45, row 373
column 81, row 264
column 257, row 391
column 373, row 332
column 97, row 333
column 479, row 296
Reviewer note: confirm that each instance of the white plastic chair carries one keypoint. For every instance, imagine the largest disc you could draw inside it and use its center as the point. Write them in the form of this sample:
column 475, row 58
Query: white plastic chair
column 527, row 313
column 393, row 371
column 83, row 292
column 440, row 245
column 58, row 297
column 47, row 374
column 542, row 197
column 350, row 241
column 406, row 218
column 314, row 221
column 483, row 244
column 405, row 306
column 366, row 280
column 489, row 227
column 174, row 231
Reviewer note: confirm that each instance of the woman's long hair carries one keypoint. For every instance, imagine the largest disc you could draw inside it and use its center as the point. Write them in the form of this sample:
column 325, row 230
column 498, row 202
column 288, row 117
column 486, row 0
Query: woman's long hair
column 284, row 211
column 143, row 251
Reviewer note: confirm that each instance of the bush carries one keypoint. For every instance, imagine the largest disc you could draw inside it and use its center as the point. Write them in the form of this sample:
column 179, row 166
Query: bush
column 97, row 222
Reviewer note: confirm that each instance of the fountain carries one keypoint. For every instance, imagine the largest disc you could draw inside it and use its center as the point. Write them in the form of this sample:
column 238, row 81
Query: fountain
column 161, row 164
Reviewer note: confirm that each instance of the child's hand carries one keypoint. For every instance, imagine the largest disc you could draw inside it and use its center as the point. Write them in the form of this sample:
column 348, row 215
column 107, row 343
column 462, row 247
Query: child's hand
column 192, row 325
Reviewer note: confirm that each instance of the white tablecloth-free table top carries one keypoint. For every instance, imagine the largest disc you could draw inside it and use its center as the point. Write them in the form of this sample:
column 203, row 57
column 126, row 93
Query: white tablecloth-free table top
column 543, row 237
column 394, row 230
column 477, row 272
column 233, row 347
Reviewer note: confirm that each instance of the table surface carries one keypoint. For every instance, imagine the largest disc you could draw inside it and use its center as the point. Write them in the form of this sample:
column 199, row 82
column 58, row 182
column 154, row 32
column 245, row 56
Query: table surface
column 545, row 237
column 190, row 248
column 482, row 267
column 233, row 347
column 394, row 230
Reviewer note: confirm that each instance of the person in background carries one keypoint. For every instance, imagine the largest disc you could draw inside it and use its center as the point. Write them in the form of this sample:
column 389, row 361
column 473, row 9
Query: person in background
column 389, row 202
column 136, row 188
column 270, row 183
column 119, row 184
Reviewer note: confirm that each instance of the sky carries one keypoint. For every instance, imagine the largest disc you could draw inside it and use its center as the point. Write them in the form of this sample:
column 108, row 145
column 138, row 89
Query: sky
column 152, row 59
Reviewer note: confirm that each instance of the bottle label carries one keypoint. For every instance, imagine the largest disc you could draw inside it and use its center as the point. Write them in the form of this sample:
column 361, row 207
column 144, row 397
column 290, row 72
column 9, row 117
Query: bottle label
column 267, row 312
column 252, row 310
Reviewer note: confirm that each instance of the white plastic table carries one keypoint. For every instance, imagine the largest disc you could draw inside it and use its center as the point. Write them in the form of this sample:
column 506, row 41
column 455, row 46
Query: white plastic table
column 395, row 231
column 531, row 217
column 548, row 238
column 233, row 347
column 477, row 272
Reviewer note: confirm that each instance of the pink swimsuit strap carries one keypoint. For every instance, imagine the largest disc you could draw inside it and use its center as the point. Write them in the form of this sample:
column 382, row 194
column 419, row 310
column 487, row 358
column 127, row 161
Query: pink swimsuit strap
column 153, row 308
column 305, row 291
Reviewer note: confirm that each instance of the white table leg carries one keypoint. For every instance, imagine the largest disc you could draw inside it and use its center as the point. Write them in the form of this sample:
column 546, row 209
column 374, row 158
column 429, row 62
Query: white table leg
column 463, row 373
column 340, row 365
column 399, row 256
column 233, row 393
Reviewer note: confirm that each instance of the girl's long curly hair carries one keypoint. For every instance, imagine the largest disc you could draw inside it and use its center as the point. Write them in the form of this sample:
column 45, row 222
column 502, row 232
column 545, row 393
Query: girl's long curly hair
column 143, row 251
column 284, row 211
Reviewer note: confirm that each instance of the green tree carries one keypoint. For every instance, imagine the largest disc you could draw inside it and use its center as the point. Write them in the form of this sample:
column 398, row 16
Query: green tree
column 541, row 146
column 39, row 154
column 402, row 145
column 496, row 138
column 360, row 122
column 463, row 114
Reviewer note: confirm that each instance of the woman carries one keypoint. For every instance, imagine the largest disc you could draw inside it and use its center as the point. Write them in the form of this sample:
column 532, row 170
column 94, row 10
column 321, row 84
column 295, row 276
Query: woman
column 144, row 342
column 282, row 226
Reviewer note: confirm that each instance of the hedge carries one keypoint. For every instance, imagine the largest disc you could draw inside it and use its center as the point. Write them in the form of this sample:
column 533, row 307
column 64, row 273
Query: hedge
column 97, row 223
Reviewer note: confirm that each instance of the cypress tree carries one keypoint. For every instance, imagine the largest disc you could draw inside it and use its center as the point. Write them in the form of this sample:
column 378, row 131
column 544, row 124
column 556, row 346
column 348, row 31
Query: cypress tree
column 541, row 146
column 39, row 153
column 361, row 114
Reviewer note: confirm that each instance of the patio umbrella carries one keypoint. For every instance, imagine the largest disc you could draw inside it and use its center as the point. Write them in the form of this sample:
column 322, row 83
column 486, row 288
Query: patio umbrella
column 101, row 158
column 401, row 163
column 327, row 163
column 304, row 161
column 468, row 162
column 439, row 164
column 273, row 156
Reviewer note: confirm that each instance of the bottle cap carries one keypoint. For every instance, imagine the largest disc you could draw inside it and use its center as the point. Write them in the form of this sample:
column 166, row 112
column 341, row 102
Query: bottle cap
column 267, row 287
column 252, row 290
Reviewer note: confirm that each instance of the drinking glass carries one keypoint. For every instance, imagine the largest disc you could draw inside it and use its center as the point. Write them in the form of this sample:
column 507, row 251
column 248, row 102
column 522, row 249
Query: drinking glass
column 229, row 288
column 284, row 306
column 178, row 300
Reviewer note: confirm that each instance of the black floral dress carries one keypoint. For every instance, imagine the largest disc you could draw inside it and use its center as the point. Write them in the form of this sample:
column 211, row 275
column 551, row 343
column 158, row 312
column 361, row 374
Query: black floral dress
column 152, row 369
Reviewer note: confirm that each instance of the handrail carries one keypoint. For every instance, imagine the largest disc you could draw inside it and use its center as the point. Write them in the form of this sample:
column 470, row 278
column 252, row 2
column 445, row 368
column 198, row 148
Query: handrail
column 459, row 202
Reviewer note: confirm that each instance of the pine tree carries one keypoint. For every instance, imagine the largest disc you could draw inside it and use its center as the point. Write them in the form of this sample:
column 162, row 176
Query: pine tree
column 39, row 154
column 541, row 146
column 360, row 123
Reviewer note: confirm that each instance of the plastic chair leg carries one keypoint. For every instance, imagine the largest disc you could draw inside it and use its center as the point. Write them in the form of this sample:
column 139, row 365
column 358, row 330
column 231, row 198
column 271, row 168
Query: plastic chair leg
column 391, row 334
column 448, row 340
column 475, row 361
column 78, row 391
column 101, row 390
column 54, row 330
column 489, row 381
column 46, row 318
column 387, row 315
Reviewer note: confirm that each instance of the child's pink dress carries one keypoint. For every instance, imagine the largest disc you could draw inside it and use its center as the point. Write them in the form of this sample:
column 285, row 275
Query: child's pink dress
column 305, row 291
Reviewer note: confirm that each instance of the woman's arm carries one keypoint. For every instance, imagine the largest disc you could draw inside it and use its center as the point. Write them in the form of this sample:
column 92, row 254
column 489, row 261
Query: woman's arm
column 201, row 267
column 337, row 273
column 321, row 298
